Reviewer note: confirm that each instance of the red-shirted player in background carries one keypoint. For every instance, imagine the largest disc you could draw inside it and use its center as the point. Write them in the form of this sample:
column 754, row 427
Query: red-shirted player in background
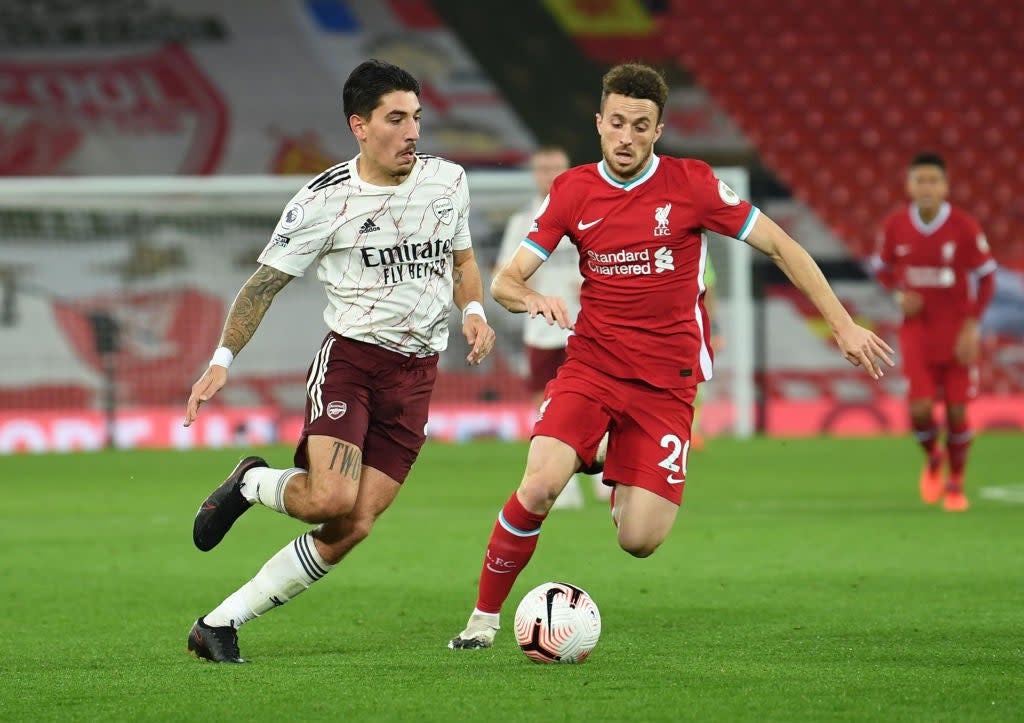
column 642, row 340
column 935, row 258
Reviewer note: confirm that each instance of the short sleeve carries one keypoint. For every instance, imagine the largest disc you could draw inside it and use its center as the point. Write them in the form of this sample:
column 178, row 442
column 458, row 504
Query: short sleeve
column 549, row 225
column 462, row 239
column 978, row 255
column 301, row 235
column 721, row 209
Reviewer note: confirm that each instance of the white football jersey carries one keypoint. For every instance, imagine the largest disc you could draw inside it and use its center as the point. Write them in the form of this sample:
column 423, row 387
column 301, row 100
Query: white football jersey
column 383, row 253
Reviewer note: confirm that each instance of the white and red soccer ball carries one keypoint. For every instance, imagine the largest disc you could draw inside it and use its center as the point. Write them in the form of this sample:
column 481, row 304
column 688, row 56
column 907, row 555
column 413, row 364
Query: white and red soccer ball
column 557, row 623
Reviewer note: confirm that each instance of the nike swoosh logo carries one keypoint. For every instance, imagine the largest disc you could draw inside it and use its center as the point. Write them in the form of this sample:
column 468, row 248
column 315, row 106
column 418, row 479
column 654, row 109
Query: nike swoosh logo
column 500, row 572
column 584, row 226
column 673, row 481
column 208, row 506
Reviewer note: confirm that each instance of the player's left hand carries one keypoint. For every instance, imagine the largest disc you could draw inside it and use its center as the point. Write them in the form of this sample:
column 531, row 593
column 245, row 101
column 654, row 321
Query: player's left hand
column 864, row 348
column 968, row 343
column 479, row 336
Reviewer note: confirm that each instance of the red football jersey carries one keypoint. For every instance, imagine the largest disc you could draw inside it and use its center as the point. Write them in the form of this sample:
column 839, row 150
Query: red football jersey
column 940, row 260
column 642, row 257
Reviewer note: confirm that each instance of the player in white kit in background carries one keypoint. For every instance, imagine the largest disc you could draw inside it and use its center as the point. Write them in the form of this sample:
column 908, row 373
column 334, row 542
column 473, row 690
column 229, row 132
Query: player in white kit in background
column 388, row 235
column 560, row 276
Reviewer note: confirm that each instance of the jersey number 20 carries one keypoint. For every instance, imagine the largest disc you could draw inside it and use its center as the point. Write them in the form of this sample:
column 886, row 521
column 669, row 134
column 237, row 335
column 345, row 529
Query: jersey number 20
column 676, row 459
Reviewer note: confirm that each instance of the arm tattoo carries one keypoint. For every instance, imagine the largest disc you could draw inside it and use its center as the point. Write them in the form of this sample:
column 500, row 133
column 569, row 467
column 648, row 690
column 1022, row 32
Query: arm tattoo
column 250, row 305
column 351, row 461
column 457, row 275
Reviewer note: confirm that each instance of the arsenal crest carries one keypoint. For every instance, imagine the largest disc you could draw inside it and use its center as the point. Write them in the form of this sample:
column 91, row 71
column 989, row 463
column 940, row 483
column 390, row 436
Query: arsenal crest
column 444, row 209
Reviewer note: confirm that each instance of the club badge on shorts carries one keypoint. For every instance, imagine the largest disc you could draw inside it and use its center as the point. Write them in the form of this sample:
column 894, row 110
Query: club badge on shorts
column 336, row 410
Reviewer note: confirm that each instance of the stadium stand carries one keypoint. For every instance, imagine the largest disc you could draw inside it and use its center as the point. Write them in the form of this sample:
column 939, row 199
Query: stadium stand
column 816, row 91
column 836, row 108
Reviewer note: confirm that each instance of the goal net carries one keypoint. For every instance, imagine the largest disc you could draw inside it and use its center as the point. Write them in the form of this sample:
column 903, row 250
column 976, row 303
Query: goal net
column 113, row 292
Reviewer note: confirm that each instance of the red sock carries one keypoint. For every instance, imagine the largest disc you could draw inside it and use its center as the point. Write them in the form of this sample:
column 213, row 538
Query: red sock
column 927, row 436
column 958, row 441
column 511, row 546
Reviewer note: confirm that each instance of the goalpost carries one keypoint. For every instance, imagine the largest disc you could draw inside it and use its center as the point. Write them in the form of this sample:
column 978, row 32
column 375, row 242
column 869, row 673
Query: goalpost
column 113, row 291
column 736, row 289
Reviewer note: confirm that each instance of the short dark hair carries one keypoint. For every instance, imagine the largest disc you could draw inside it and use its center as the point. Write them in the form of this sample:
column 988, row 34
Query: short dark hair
column 635, row 80
column 371, row 81
column 927, row 158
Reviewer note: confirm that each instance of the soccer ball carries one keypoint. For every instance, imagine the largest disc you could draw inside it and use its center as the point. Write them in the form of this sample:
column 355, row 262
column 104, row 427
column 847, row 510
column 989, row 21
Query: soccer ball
column 557, row 623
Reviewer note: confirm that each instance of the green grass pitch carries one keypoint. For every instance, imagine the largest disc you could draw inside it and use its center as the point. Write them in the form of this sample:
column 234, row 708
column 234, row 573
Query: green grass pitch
column 803, row 581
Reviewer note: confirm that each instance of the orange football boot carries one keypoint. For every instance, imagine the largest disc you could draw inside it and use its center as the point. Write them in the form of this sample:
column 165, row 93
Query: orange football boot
column 955, row 500
column 931, row 479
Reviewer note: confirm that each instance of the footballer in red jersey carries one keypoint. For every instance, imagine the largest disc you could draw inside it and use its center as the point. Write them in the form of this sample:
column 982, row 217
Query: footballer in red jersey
column 641, row 342
column 644, row 238
column 935, row 258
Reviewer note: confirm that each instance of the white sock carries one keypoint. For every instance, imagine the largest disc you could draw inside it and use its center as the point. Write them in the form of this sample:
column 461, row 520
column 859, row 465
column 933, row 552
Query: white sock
column 490, row 618
column 266, row 486
column 293, row 569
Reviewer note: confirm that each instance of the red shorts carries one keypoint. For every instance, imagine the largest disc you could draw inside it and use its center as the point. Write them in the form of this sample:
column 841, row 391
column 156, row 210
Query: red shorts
column 954, row 382
column 544, row 364
column 649, row 429
column 372, row 397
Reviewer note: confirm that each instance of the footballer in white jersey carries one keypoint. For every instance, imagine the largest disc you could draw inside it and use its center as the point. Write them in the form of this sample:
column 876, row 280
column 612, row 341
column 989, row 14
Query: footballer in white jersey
column 388, row 233
column 383, row 253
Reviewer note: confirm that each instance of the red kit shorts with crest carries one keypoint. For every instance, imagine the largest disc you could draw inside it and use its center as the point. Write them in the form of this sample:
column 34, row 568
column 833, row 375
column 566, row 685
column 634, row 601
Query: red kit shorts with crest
column 649, row 429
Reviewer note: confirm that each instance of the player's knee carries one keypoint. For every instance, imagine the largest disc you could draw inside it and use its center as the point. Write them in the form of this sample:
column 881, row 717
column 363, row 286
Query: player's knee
column 638, row 546
column 639, row 549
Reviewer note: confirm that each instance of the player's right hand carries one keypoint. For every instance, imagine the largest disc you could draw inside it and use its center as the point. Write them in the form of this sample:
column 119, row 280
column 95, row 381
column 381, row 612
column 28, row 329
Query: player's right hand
column 203, row 390
column 910, row 303
column 551, row 308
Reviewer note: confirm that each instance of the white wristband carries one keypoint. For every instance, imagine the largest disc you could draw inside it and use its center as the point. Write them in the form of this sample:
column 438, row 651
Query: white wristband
column 222, row 357
column 474, row 307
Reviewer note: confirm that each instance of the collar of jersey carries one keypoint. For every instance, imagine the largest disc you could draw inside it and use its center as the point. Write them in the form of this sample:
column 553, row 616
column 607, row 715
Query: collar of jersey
column 629, row 185
column 354, row 165
column 929, row 228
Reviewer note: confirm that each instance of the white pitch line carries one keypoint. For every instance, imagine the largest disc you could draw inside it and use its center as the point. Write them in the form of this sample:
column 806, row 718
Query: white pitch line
column 1005, row 493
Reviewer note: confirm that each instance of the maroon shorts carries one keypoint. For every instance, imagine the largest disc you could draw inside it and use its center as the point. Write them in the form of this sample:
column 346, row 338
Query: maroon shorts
column 951, row 381
column 374, row 398
column 544, row 365
column 649, row 429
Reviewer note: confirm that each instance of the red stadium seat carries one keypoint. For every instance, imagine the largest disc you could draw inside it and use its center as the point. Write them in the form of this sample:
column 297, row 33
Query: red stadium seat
column 867, row 87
